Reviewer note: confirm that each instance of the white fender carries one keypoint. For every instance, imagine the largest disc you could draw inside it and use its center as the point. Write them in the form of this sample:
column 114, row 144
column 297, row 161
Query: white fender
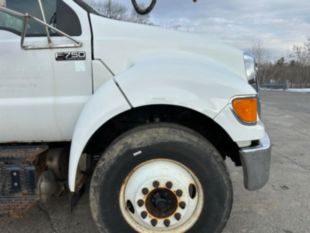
column 190, row 81
column 194, row 82
column 107, row 102
column 185, row 79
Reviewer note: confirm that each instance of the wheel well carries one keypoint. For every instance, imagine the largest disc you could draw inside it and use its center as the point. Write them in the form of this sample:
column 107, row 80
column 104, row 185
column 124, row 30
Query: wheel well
column 168, row 114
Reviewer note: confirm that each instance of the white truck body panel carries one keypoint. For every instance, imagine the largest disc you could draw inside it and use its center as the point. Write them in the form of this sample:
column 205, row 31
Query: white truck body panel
column 106, row 103
column 157, row 66
column 191, row 81
column 41, row 98
column 100, row 74
column 240, row 133
column 120, row 43
column 168, row 82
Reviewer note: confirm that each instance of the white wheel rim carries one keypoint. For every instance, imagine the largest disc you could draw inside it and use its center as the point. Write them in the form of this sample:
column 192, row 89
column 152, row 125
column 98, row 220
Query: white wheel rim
column 149, row 203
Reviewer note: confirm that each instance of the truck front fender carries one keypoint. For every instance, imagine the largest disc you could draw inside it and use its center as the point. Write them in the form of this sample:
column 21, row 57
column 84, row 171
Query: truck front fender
column 185, row 80
column 193, row 82
column 107, row 102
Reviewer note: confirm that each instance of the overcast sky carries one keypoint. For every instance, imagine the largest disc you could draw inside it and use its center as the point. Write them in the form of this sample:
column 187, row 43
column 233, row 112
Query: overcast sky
column 278, row 24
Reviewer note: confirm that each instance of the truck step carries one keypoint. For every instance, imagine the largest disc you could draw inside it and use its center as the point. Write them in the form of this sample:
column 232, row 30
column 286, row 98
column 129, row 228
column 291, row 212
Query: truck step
column 18, row 178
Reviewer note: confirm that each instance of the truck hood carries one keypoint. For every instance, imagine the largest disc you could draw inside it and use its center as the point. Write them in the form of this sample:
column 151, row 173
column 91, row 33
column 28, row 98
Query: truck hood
column 121, row 44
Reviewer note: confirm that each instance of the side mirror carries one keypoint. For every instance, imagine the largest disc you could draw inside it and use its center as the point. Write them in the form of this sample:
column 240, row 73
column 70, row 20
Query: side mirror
column 144, row 7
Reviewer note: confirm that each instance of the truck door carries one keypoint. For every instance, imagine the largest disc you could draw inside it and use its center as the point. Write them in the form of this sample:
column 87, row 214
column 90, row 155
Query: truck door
column 42, row 91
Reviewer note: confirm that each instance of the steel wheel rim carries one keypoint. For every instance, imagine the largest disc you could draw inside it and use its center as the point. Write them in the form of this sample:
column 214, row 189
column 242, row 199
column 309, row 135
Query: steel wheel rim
column 161, row 195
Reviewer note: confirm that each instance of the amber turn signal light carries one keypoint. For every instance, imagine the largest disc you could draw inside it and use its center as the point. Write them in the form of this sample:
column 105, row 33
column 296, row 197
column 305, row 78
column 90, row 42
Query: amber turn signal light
column 246, row 109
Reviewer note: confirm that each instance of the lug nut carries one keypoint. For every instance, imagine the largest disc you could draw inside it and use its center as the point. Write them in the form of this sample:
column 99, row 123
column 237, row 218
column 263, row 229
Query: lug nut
column 154, row 222
column 156, row 184
column 182, row 205
column 179, row 193
column 140, row 203
column 143, row 214
column 177, row 216
column 169, row 185
column 145, row 191
column 167, row 222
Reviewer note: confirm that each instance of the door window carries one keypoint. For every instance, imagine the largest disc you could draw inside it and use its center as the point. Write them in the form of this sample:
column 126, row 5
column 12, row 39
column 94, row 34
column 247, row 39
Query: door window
column 10, row 23
column 57, row 14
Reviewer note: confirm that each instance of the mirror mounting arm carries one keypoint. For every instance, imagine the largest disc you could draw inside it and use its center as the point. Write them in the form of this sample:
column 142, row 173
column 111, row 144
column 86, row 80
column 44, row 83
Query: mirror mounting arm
column 44, row 20
column 24, row 32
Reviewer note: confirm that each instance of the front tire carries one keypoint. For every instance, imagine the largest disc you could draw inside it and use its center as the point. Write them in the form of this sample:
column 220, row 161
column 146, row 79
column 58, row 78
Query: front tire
column 161, row 178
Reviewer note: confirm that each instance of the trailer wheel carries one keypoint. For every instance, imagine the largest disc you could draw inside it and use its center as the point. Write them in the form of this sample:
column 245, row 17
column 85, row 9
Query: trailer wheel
column 161, row 178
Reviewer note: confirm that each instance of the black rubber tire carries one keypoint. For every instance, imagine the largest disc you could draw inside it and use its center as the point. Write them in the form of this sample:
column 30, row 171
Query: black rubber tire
column 172, row 142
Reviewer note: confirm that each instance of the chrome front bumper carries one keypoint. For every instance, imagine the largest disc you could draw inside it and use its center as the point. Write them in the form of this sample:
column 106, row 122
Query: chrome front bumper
column 256, row 164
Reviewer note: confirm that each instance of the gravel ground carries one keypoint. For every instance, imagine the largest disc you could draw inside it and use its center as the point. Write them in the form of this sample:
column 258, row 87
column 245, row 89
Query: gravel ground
column 282, row 206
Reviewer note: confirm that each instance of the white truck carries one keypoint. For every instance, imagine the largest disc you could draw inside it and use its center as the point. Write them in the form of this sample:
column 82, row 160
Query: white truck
column 148, row 116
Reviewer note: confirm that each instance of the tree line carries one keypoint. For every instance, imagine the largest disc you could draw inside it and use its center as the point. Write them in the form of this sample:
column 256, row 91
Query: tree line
column 294, row 70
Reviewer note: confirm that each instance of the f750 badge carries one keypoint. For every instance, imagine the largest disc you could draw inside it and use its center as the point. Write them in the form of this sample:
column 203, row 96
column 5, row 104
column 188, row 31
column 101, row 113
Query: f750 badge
column 71, row 56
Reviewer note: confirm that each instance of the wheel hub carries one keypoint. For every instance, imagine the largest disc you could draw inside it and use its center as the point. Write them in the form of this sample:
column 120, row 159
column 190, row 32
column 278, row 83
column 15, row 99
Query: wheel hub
column 156, row 196
column 161, row 203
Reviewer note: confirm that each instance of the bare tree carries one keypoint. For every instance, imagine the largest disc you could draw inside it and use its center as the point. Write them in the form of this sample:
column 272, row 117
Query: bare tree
column 137, row 18
column 261, row 57
column 302, row 53
column 296, row 70
column 116, row 10
column 259, row 52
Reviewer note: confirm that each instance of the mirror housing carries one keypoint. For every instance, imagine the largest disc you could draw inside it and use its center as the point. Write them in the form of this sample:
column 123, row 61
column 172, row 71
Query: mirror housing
column 143, row 11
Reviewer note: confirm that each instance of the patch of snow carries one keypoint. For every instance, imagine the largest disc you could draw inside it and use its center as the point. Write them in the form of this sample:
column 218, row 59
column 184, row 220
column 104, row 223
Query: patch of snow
column 271, row 89
column 301, row 90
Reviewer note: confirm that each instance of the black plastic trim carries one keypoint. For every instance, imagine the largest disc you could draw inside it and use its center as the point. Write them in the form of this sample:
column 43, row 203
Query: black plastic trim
column 91, row 37
column 86, row 7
